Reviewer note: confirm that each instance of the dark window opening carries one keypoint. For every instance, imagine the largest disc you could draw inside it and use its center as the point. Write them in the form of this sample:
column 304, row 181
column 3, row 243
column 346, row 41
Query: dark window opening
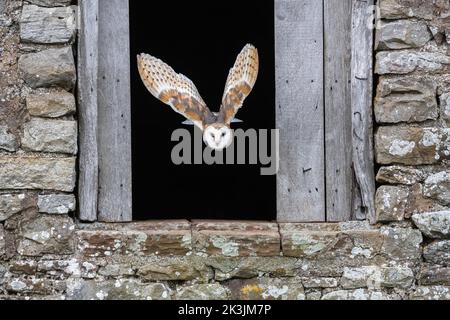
column 200, row 39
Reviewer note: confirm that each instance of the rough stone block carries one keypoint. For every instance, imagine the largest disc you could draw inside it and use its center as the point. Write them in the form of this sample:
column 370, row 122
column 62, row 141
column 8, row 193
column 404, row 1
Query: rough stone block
column 434, row 275
column 47, row 25
column 51, row 3
column 431, row 293
column 408, row 100
column 445, row 107
column 54, row 136
column 56, row 203
column 402, row 34
column 391, row 203
column 51, row 105
column 175, row 269
column 397, row 277
column 401, row 244
column 313, row 295
column 308, row 244
column 23, row 267
column 34, row 286
column 434, row 224
column 362, row 277
column 359, row 294
column 438, row 252
column 64, row 269
column 8, row 141
column 235, row 239
column 3, row 270
column 2, row 241
column 407, row 61
column 10, row 204
column 142, row 239
column 52, row 67
column 46, row 235
column 418, row 203
column 400, row 9
column 267, row 289
column 437, row 186
column 115, row 270
column 213, row 291
column 400, row 175
column 37, row 173
column 226, row 268
column 314, row 282
column 11, row 110
column 411, row 145
column 345, row 245
column 375, row 277
column 121, row 289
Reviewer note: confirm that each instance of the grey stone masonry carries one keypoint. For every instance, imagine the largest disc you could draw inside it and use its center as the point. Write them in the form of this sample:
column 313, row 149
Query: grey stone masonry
column 10, row 204
column 52, row 67
column 21, row 173
column 409, row 61
column 434, row 224
column 406, row 99
column 391, row 202
column 51, row 104
column 402, row 9
column 51, row 3
column 56, row 203
column 54, row 136
column 412, row 145
column 437, row 186
column 47, row 25
column 402, row 34
column 445, row 107
column 8, row 141
column 412, row 139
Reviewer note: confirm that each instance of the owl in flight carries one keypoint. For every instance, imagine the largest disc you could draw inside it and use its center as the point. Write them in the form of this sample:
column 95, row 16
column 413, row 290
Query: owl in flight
column 177, row 91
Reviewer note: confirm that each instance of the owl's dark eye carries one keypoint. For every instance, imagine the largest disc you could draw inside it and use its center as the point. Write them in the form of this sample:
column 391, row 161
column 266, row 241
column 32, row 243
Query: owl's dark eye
column 223, row 134
column 212, row 135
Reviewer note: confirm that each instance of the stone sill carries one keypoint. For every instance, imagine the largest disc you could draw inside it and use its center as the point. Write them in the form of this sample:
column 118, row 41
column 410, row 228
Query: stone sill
column 228, row 238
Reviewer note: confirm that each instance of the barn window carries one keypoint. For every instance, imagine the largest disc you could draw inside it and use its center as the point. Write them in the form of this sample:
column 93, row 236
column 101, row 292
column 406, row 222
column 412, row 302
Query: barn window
column 210, row 36
column 319, row 66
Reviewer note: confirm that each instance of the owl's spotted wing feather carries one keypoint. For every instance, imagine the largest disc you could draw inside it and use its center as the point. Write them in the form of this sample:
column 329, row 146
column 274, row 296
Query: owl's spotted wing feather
column 174, row 89
column 240, row 82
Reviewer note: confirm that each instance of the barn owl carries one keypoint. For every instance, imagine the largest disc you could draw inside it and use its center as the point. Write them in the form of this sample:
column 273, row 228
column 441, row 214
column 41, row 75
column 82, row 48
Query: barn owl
column 177, row 91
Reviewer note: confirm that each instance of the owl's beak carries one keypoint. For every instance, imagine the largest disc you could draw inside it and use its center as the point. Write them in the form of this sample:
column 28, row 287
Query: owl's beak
column 216, row 147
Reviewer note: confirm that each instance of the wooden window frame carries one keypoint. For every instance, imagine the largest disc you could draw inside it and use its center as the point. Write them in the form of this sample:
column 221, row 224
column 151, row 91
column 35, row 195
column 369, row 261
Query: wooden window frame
column 105, row 192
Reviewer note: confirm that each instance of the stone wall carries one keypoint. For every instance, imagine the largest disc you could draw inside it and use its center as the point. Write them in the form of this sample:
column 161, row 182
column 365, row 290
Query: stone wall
column 45, row 253
column 412, row 112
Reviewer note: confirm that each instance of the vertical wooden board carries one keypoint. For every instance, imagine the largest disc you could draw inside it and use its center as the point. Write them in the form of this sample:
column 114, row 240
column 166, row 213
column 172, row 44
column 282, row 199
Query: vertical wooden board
column 114, row 116
column 87, row 105
column 338, row 125
column 361, row 97
column 299, row 115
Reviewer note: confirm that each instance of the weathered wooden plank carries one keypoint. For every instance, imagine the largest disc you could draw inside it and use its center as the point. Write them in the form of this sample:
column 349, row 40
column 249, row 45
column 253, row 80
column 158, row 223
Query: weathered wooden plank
column 299, row 116
column 338, row 124
column 87, row 104
column 114, row 115
column 362, row 122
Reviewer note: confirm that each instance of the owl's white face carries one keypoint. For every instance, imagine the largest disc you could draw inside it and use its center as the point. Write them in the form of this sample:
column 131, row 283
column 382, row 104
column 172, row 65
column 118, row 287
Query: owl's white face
column 218, row 136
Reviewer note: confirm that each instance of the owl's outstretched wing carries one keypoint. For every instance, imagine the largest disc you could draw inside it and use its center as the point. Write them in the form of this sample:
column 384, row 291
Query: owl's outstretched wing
column 240, row 82
column 174, row 89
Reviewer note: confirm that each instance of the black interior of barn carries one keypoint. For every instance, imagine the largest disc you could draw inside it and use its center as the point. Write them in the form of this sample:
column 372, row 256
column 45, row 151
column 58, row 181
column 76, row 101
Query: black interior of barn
column 200, row 39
